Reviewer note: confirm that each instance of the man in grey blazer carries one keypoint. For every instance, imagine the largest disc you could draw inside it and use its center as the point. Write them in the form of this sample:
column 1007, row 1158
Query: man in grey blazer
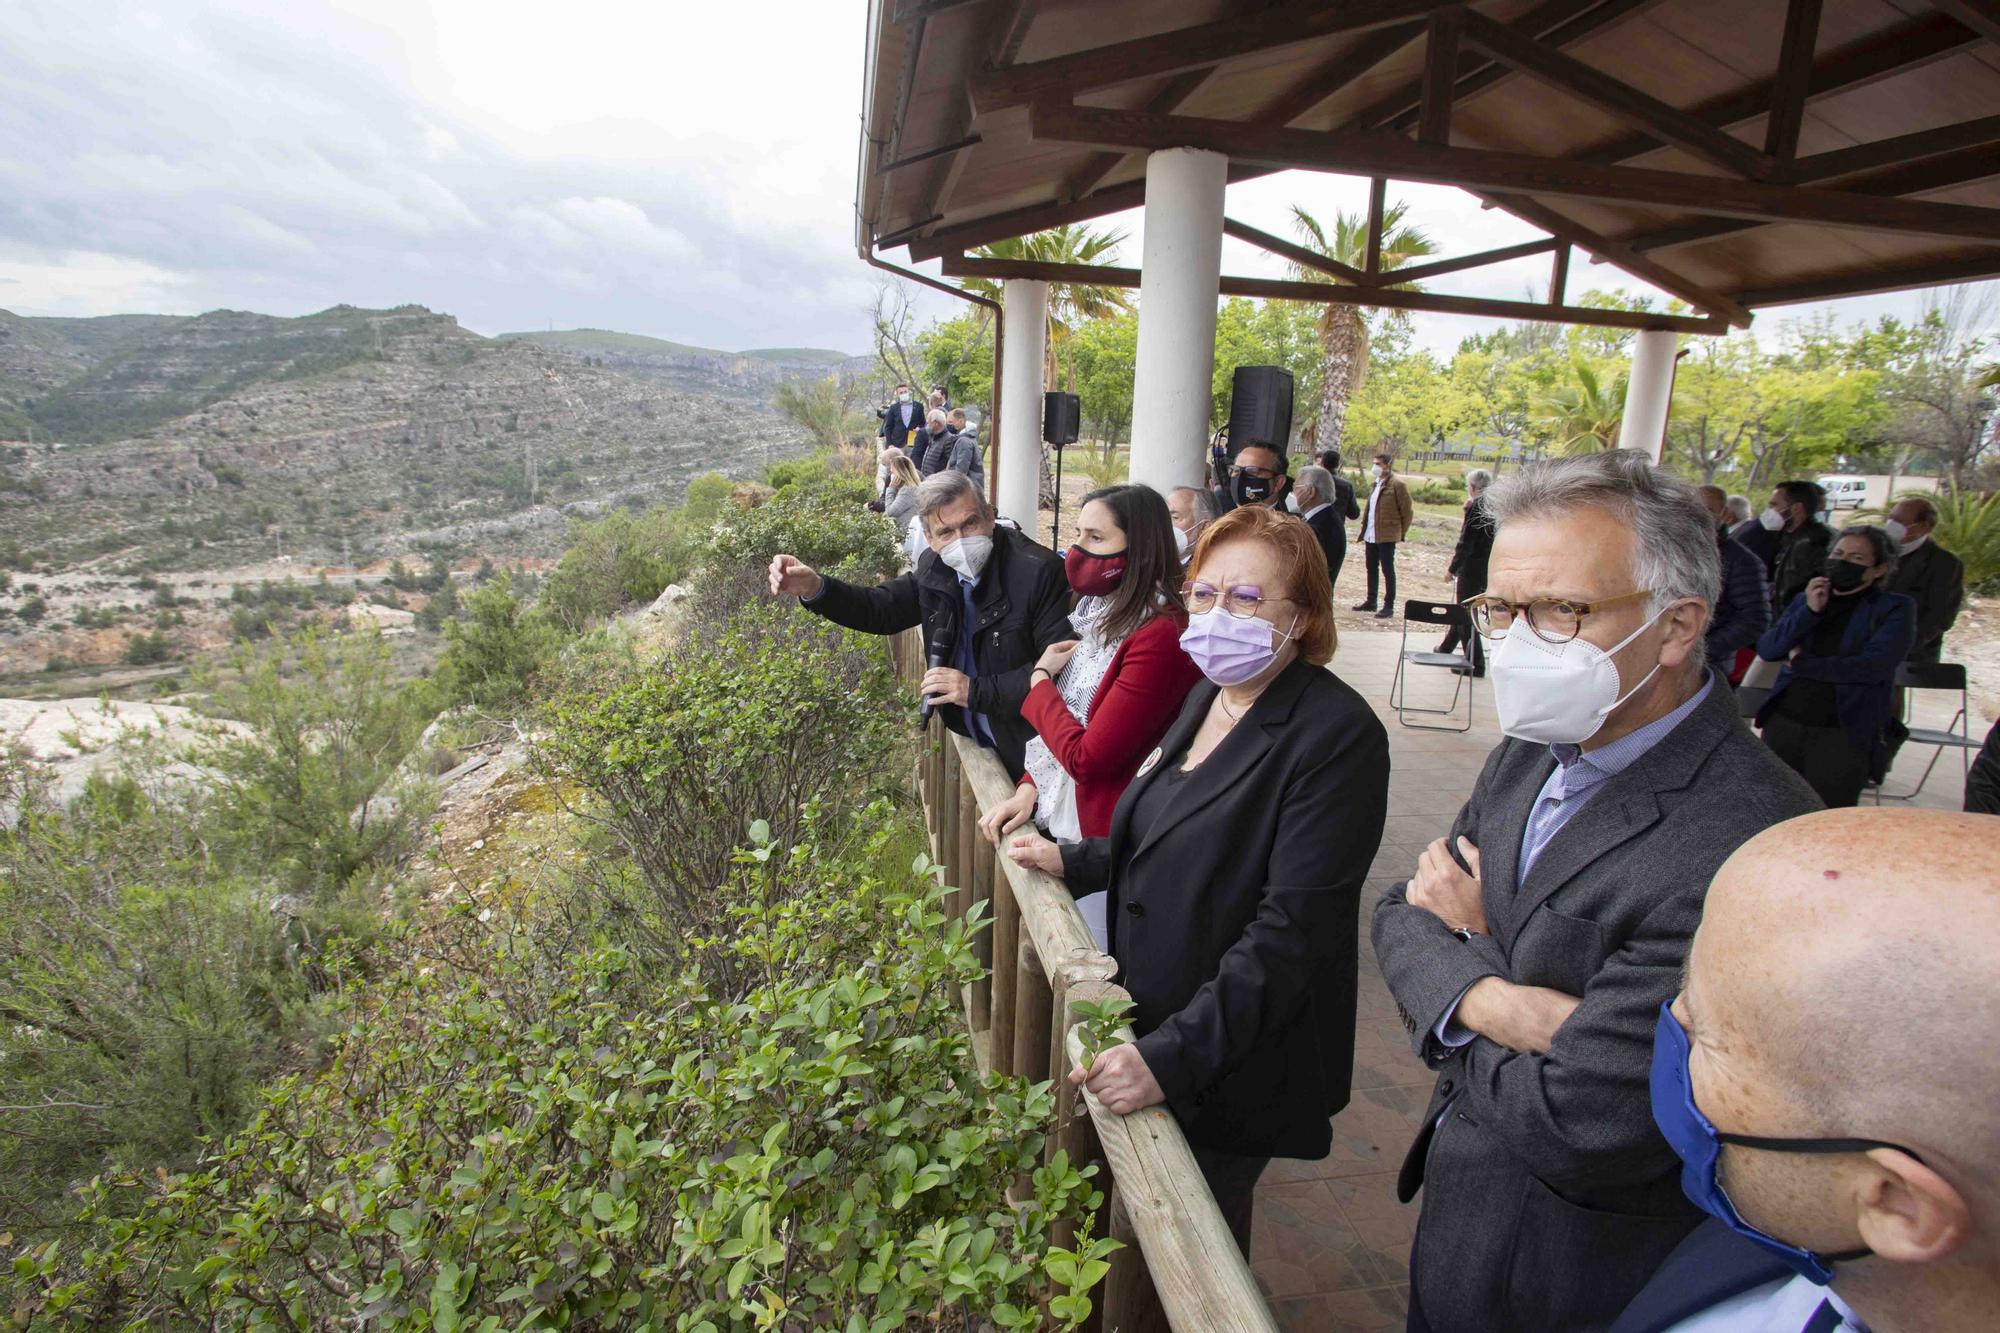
column 1530, row 952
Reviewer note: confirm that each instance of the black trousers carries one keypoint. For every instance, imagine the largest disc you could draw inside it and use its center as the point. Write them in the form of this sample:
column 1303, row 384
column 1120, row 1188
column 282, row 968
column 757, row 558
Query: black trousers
column 1823, row 756
column 1465, row 634
column 1382, row 563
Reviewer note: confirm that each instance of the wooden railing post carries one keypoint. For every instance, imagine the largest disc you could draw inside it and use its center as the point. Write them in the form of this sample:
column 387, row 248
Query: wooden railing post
column 1006, row 935
column 982, row 943
column 1080, row 978
column 966, row 840
column 1032, row 1008
column 1124, row 1284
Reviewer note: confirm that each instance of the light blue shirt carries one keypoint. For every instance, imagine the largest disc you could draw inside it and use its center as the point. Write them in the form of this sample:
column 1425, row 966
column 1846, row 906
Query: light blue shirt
column 1787, row 1305
column 1578, row 775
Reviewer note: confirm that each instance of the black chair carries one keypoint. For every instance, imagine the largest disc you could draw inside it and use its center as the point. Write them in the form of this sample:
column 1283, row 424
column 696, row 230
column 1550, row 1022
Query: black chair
column 1448, row 615
column 1948, row 676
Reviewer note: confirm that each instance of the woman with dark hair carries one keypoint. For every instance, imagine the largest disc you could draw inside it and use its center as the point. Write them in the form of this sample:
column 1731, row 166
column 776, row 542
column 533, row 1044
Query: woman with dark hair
column 1234, row 867
column 1100, row 701
column 1844, row 636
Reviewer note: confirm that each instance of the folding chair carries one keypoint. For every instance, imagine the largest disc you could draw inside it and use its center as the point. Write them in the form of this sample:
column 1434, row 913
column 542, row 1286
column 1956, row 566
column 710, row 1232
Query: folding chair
column 1950, row 676
column 1449, row 615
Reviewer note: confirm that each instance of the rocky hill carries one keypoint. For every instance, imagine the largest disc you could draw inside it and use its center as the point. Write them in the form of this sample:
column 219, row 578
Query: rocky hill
column 749, row 376
column 200, row 442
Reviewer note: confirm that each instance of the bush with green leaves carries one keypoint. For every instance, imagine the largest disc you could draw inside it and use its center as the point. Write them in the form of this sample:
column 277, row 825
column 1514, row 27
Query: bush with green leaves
column 144, row 988
column 307, row 784
column 825, row 523
column 625, row 559
column 777, row 711
column 496, row 648
column 1969, row 527
column 569, row 1137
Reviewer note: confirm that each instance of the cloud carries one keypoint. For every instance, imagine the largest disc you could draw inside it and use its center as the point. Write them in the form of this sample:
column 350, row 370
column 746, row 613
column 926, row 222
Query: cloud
column 609, row 165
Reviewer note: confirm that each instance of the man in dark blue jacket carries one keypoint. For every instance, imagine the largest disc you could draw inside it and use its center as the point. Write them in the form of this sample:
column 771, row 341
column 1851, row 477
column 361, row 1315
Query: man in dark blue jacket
column 1744, row 610
column 1833, row 1108
column 902, row 422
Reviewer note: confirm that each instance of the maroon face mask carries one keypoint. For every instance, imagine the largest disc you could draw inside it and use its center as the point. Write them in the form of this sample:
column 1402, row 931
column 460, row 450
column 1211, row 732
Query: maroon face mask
column 1093, row 575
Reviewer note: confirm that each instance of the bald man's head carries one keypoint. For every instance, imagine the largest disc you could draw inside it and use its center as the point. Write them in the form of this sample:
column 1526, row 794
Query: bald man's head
column 1845, row 983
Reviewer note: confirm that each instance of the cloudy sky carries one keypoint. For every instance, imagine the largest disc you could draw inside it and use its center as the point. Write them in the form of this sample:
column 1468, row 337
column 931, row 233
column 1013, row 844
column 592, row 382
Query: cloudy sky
column 667, row 168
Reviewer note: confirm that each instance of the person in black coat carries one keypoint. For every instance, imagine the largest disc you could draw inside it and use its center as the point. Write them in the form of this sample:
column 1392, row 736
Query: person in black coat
column 1344, row 503
column 934, row 445
column 904, row 416
column 1803, row 540
column 1311, row 498
column 989, row 598
column 1468, row 563
column 1743, row 611
column 1234, row 870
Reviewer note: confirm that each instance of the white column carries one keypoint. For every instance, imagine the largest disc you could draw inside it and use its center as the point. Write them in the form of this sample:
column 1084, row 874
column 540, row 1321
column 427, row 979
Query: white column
column 1180, row 277
column 1649, row 394
column 1024, row 322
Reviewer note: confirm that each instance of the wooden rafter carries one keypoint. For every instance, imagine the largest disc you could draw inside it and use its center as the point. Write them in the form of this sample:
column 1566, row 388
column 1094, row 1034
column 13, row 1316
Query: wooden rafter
column 1559, row 276
column 1202, row 46
column 1100, row 165
column 1928, row 273
column 1006, row 25
column 1298, row 254
column 1537, row 214
column 1915, row 44
column 1613, row 96
column 1556, row 23
column 1791, row 84
column 1982, row 16
column 1032, row 218
column 1440, row 74
column 1900, row 150
column 1378, row 199
column 1395, row 298
column 1914, row 176
column 1514, row 173
column 1437, row 268
column 1335, row 73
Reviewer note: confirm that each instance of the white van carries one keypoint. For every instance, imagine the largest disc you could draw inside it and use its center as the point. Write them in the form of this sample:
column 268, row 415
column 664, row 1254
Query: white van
column 1845, row 492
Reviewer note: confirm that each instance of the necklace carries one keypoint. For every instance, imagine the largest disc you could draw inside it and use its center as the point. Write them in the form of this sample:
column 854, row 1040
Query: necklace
column 1223, row 700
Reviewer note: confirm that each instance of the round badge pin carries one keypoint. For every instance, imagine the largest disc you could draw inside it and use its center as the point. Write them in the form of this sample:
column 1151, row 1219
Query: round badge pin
column 1151, row 760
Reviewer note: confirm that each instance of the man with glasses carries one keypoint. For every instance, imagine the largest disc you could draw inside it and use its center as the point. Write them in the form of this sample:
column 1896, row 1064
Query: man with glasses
column 1257, row 477
column 1626, row 779
column 1833, row 1102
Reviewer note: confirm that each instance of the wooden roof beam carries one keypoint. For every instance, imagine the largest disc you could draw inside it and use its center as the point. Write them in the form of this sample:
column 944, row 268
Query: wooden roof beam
column 1613, row 96
column 1557, row 23
column 1298, row 254
column 1202, row 46
column 1973, row 267
column 1897, row 151
column 1040, row 217
column 1439, row 267
column 958, row 265
column 1006, row 24
column 1791, row 84
column 1335, row 73
column 1913, row 45
column 1916, row 176
column 1513, row 173
column 1537, row 214
column 1982, row 16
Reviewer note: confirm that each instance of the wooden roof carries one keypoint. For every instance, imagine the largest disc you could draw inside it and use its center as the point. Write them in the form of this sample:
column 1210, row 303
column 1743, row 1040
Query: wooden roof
column 1736, row 153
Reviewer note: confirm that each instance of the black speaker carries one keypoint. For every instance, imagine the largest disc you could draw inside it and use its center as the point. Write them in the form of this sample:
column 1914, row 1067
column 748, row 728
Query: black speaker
column 1260, row 408
column 1062, row 415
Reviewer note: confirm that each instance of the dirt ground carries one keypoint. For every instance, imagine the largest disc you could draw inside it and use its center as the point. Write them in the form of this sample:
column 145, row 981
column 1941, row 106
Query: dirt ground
column 1420, row 572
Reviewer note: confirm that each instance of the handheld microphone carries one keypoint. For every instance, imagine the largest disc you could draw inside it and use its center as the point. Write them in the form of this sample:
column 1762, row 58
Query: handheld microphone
column 936, row 659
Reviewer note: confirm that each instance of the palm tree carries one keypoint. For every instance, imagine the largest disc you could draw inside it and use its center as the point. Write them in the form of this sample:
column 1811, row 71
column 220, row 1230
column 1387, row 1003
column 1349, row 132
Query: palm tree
column 1583, row 415
column 1070, row 303
column 1344, row 329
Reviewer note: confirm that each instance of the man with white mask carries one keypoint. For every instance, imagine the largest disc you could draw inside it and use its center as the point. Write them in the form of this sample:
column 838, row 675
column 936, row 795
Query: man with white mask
column 989, row 598
column 1534, row 990
column 1927, row 573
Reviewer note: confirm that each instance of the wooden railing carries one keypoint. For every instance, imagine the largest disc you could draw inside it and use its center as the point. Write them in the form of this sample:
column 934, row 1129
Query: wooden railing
column 1040, row 962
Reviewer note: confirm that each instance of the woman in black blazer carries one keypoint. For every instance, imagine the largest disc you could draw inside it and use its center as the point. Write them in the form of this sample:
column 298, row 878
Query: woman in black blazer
column 1234, row 869
column 1468, row 563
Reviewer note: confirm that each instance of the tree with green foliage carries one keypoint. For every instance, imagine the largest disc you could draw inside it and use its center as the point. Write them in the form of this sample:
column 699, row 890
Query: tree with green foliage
column 307, row 779
column 1106, row 354
column 1583, row 411
column 496, row 649
column 1344, row 329
column 828, row 409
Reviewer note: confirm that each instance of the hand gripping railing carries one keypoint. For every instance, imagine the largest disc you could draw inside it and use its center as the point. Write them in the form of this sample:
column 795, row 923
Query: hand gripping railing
column 1041, row 962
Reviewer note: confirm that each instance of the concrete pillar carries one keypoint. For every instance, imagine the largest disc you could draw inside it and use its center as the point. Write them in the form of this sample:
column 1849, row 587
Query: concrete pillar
column 1180, row 278
column 1649, row 394
column 1024, row 320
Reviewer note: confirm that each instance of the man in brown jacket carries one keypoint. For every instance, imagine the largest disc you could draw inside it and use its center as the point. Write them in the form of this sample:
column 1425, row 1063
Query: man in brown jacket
column 1385, row 521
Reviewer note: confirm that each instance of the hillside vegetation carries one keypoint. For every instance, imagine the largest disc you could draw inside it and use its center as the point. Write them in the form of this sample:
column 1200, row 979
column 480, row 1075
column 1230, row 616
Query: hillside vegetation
column 274, row 1056
column 207, row 441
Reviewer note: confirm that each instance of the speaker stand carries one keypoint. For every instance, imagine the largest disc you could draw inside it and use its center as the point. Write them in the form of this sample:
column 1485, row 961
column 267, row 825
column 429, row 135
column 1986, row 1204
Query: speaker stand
column 1055, row 511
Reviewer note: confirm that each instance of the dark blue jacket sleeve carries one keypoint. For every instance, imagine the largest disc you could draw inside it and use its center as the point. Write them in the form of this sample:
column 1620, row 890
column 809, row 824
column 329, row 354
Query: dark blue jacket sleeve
column 1744, row 610
column 1793, row 625
column 1888, row 643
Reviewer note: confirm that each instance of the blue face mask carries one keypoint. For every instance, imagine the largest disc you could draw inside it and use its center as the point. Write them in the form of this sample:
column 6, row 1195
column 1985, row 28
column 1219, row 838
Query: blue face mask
column 1698, row 1144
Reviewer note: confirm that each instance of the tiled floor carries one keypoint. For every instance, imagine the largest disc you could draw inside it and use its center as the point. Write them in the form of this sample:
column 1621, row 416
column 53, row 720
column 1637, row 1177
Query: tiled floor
column 1331, row 1244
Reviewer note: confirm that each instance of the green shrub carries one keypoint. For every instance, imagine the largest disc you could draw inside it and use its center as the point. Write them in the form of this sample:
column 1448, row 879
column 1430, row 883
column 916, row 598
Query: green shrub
column 778, row 712
column 495, row 650
column 308, row 788
column 146, row 649
column 143, row 989
column 1969, row 527
column 826, row 525
column 570, row 1138
column 623, row 559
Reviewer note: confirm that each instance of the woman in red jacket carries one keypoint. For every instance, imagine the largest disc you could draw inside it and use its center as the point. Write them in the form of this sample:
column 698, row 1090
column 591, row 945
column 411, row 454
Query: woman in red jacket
column 1101, row 702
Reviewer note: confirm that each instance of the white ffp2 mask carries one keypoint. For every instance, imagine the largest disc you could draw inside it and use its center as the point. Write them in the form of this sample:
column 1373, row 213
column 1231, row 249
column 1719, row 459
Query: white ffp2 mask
column 1558, row 693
